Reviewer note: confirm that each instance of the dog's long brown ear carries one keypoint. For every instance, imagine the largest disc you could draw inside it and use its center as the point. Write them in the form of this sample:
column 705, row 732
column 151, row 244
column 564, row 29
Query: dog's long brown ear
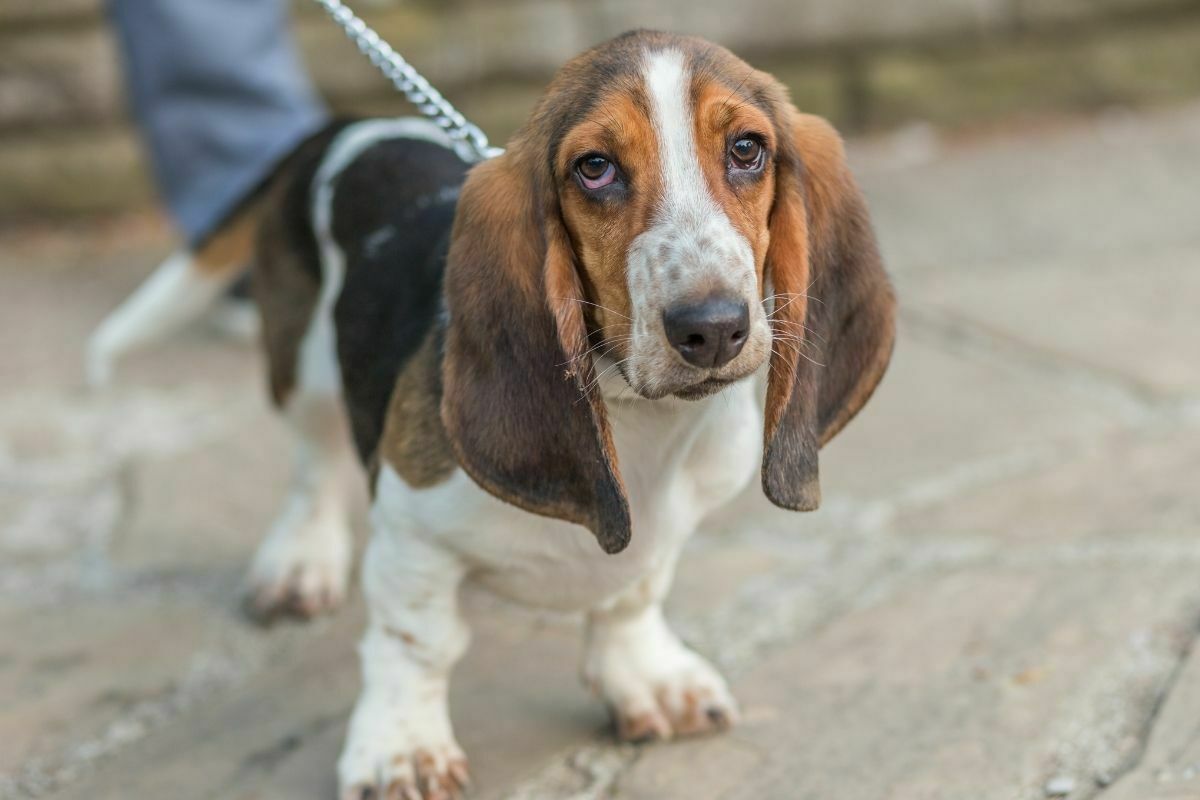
column 517, row 403
column 834, row 323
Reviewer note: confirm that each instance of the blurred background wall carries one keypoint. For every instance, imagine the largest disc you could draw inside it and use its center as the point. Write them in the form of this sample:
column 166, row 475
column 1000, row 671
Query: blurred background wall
column 66, row 148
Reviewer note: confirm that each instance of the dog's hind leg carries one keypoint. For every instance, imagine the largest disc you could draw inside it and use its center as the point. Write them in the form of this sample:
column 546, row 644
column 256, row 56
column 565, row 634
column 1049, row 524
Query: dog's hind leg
column 303, row 565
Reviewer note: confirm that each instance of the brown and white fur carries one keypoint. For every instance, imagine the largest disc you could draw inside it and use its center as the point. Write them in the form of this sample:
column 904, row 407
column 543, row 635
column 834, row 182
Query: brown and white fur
column 498, row 356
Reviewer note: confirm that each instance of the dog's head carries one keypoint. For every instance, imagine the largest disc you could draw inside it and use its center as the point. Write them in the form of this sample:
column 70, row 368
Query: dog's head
column 668, row 209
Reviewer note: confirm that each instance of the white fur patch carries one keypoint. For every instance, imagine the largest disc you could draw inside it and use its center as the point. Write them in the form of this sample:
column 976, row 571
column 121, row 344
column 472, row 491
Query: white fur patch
column 303, row 566
column 652, row 681
column 680, row 460
column 686, row 197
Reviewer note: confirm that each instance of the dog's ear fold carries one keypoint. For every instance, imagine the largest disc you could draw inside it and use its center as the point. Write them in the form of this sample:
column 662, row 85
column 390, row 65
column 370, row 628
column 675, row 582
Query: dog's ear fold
column 516, row 375
column 834, row 320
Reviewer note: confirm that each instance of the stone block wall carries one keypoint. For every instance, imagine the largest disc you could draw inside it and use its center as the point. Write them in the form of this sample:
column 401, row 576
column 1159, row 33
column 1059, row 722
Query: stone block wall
column 67, row 148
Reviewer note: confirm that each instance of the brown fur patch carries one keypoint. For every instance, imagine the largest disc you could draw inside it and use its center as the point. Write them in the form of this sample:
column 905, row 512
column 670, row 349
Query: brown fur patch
column 403, row 636
column 232, row 245
column 285, row 290
column 602, row 233
column 414, row 441
column 788, row 257
column 285, row 278
column 723, row 113
column 861, row 360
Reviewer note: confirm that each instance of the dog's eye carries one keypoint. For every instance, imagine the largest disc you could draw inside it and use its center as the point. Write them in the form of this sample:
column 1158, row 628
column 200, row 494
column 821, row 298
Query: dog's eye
column 746, row 153
column 596, row 171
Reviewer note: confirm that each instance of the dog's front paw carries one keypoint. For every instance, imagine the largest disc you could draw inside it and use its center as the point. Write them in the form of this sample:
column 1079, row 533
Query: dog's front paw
column 688, row 699
column 386, row 762
column 658, row 689
column 299, row 572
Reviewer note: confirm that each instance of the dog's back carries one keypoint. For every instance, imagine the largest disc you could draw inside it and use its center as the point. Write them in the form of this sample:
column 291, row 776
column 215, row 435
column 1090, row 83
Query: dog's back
column 352, row 247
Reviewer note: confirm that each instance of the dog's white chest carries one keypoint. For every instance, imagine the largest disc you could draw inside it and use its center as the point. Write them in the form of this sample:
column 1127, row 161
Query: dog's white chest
column 680, row 462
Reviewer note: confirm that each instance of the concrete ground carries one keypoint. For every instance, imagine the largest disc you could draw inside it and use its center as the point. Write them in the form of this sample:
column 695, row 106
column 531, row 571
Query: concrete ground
column 999, row 598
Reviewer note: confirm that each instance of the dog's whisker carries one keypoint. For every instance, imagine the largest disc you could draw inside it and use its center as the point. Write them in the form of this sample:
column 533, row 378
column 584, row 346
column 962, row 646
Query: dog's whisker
column 595, row 382
column 797, row 344
column 779, row 308
column 803, row 355
column 614, row 325
column 596, row 305
column 610, row 344
column 800, row 325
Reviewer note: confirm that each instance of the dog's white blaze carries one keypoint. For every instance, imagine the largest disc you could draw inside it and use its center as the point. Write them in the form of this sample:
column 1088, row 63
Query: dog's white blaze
column 686, row 198
column 689, row 218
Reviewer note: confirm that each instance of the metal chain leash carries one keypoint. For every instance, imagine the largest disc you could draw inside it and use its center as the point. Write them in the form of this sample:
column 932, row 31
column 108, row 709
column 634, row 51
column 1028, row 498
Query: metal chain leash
column 470, row 142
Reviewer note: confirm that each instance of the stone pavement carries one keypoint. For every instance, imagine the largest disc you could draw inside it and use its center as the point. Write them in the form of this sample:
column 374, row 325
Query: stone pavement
column 998, row 600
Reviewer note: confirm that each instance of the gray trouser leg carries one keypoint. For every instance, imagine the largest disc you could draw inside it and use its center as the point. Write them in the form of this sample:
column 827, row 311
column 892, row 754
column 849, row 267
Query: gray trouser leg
column 220, row 95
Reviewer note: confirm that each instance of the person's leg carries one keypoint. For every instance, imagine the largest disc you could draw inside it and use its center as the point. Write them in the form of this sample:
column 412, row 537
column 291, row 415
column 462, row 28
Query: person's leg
column 221, row 97
column 219, row 94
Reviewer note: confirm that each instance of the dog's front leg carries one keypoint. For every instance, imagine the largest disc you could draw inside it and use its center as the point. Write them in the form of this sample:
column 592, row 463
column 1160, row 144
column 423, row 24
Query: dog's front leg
column 400, row 744
column 655, row 685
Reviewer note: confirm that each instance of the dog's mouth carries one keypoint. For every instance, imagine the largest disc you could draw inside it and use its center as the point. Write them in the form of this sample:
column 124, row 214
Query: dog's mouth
column 693, row 391
column 704, row 388
column 622, row 376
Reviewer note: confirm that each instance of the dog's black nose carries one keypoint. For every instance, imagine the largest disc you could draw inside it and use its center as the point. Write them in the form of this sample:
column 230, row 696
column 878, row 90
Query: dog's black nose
column 709, row 333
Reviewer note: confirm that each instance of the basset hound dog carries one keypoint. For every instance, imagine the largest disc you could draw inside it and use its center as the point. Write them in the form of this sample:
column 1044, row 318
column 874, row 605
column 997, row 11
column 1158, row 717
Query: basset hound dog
column 554, row 365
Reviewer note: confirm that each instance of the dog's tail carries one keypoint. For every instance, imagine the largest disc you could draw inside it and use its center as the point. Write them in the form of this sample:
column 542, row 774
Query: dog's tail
column 180, row 291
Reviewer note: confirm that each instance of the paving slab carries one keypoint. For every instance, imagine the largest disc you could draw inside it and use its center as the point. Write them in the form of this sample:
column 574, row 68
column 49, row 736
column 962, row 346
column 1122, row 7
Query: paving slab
column 942, row 408
column 1130, row 314
column 1131, row 492
column 517, row 701
column 72, row 674
column 1170, row 767
column 1026, row 632
column 273, row 724
column 1010, row 678
column 946, row 417
column 1118, row 184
